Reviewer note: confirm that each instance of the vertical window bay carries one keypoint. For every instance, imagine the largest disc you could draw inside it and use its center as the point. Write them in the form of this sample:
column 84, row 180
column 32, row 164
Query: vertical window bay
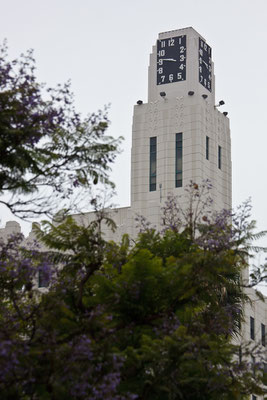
column 219, row 157
column 207, row 148
column 263, row 334
column 179, row 160
column 252, row 328
column 153, row 165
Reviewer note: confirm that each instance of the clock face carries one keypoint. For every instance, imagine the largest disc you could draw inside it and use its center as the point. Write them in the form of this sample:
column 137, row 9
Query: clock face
column 171, row 60
column 205, row 65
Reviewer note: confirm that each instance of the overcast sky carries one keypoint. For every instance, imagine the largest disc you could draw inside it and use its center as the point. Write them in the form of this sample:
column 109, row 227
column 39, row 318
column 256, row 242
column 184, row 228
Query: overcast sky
column 103, row 47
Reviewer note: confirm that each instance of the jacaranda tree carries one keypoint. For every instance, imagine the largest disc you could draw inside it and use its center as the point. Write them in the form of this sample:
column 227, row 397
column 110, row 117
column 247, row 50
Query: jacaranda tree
column 153, row 319
column 49, row 155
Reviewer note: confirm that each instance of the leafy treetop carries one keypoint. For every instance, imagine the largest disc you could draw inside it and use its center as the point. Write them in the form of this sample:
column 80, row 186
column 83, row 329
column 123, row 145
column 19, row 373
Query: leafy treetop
column 151, row 321
column 49, row 155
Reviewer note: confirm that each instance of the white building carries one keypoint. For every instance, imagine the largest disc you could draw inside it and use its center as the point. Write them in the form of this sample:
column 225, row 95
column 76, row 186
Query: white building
column 179, row 135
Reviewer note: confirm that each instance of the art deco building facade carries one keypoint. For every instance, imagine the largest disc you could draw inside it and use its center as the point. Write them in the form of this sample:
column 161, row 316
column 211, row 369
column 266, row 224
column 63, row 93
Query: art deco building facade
column 179, row 135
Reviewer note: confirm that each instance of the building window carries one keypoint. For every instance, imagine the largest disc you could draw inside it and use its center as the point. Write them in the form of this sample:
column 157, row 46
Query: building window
column 207, row 148
column 179, row 160
column 153, row 165
column 240, row 354
column 219, row 157
column 253, row 361
column 43, row 279
column 252, row 328
column 239, row 322
column 263, row 334
column 254, row 397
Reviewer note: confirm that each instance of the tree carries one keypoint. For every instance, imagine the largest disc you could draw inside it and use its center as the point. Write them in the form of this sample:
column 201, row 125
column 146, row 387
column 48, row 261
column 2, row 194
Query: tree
column 153, row 320
column 49, row 155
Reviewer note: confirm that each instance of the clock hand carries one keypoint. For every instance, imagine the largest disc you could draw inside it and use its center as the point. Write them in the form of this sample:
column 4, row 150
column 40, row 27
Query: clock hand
column 205, row 63
column 168, row 59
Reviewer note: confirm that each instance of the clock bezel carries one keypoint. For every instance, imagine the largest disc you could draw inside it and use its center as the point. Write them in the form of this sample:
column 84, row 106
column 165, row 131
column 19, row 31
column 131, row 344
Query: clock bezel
column 170, row 69
column 205, row 65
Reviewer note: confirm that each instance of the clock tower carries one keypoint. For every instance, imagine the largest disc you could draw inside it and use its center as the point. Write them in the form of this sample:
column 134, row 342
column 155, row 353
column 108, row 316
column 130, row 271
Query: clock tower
column 181, row 56
column 179, row 135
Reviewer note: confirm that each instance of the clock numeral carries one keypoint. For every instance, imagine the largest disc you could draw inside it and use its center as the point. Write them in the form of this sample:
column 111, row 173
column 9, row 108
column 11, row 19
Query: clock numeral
column 179, row 75
column 200, row 60
column 162, row 43
column 201, row 79
column 160, row 61
column 182, row 57
column 205, row 82
column 162, row 78
column 182, row 66
column 171, row 77
column 201, row 52
column 171, row 42
column 160, row 70
column 182, row 49
column 205, row 47
column 200, row 69
column 161, row 53
column 201, row 43
column 209, row 85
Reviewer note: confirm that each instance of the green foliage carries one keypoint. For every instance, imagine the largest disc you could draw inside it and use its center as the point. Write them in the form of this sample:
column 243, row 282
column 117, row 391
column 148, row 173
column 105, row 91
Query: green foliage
column 152, row 321
column 166, row 308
